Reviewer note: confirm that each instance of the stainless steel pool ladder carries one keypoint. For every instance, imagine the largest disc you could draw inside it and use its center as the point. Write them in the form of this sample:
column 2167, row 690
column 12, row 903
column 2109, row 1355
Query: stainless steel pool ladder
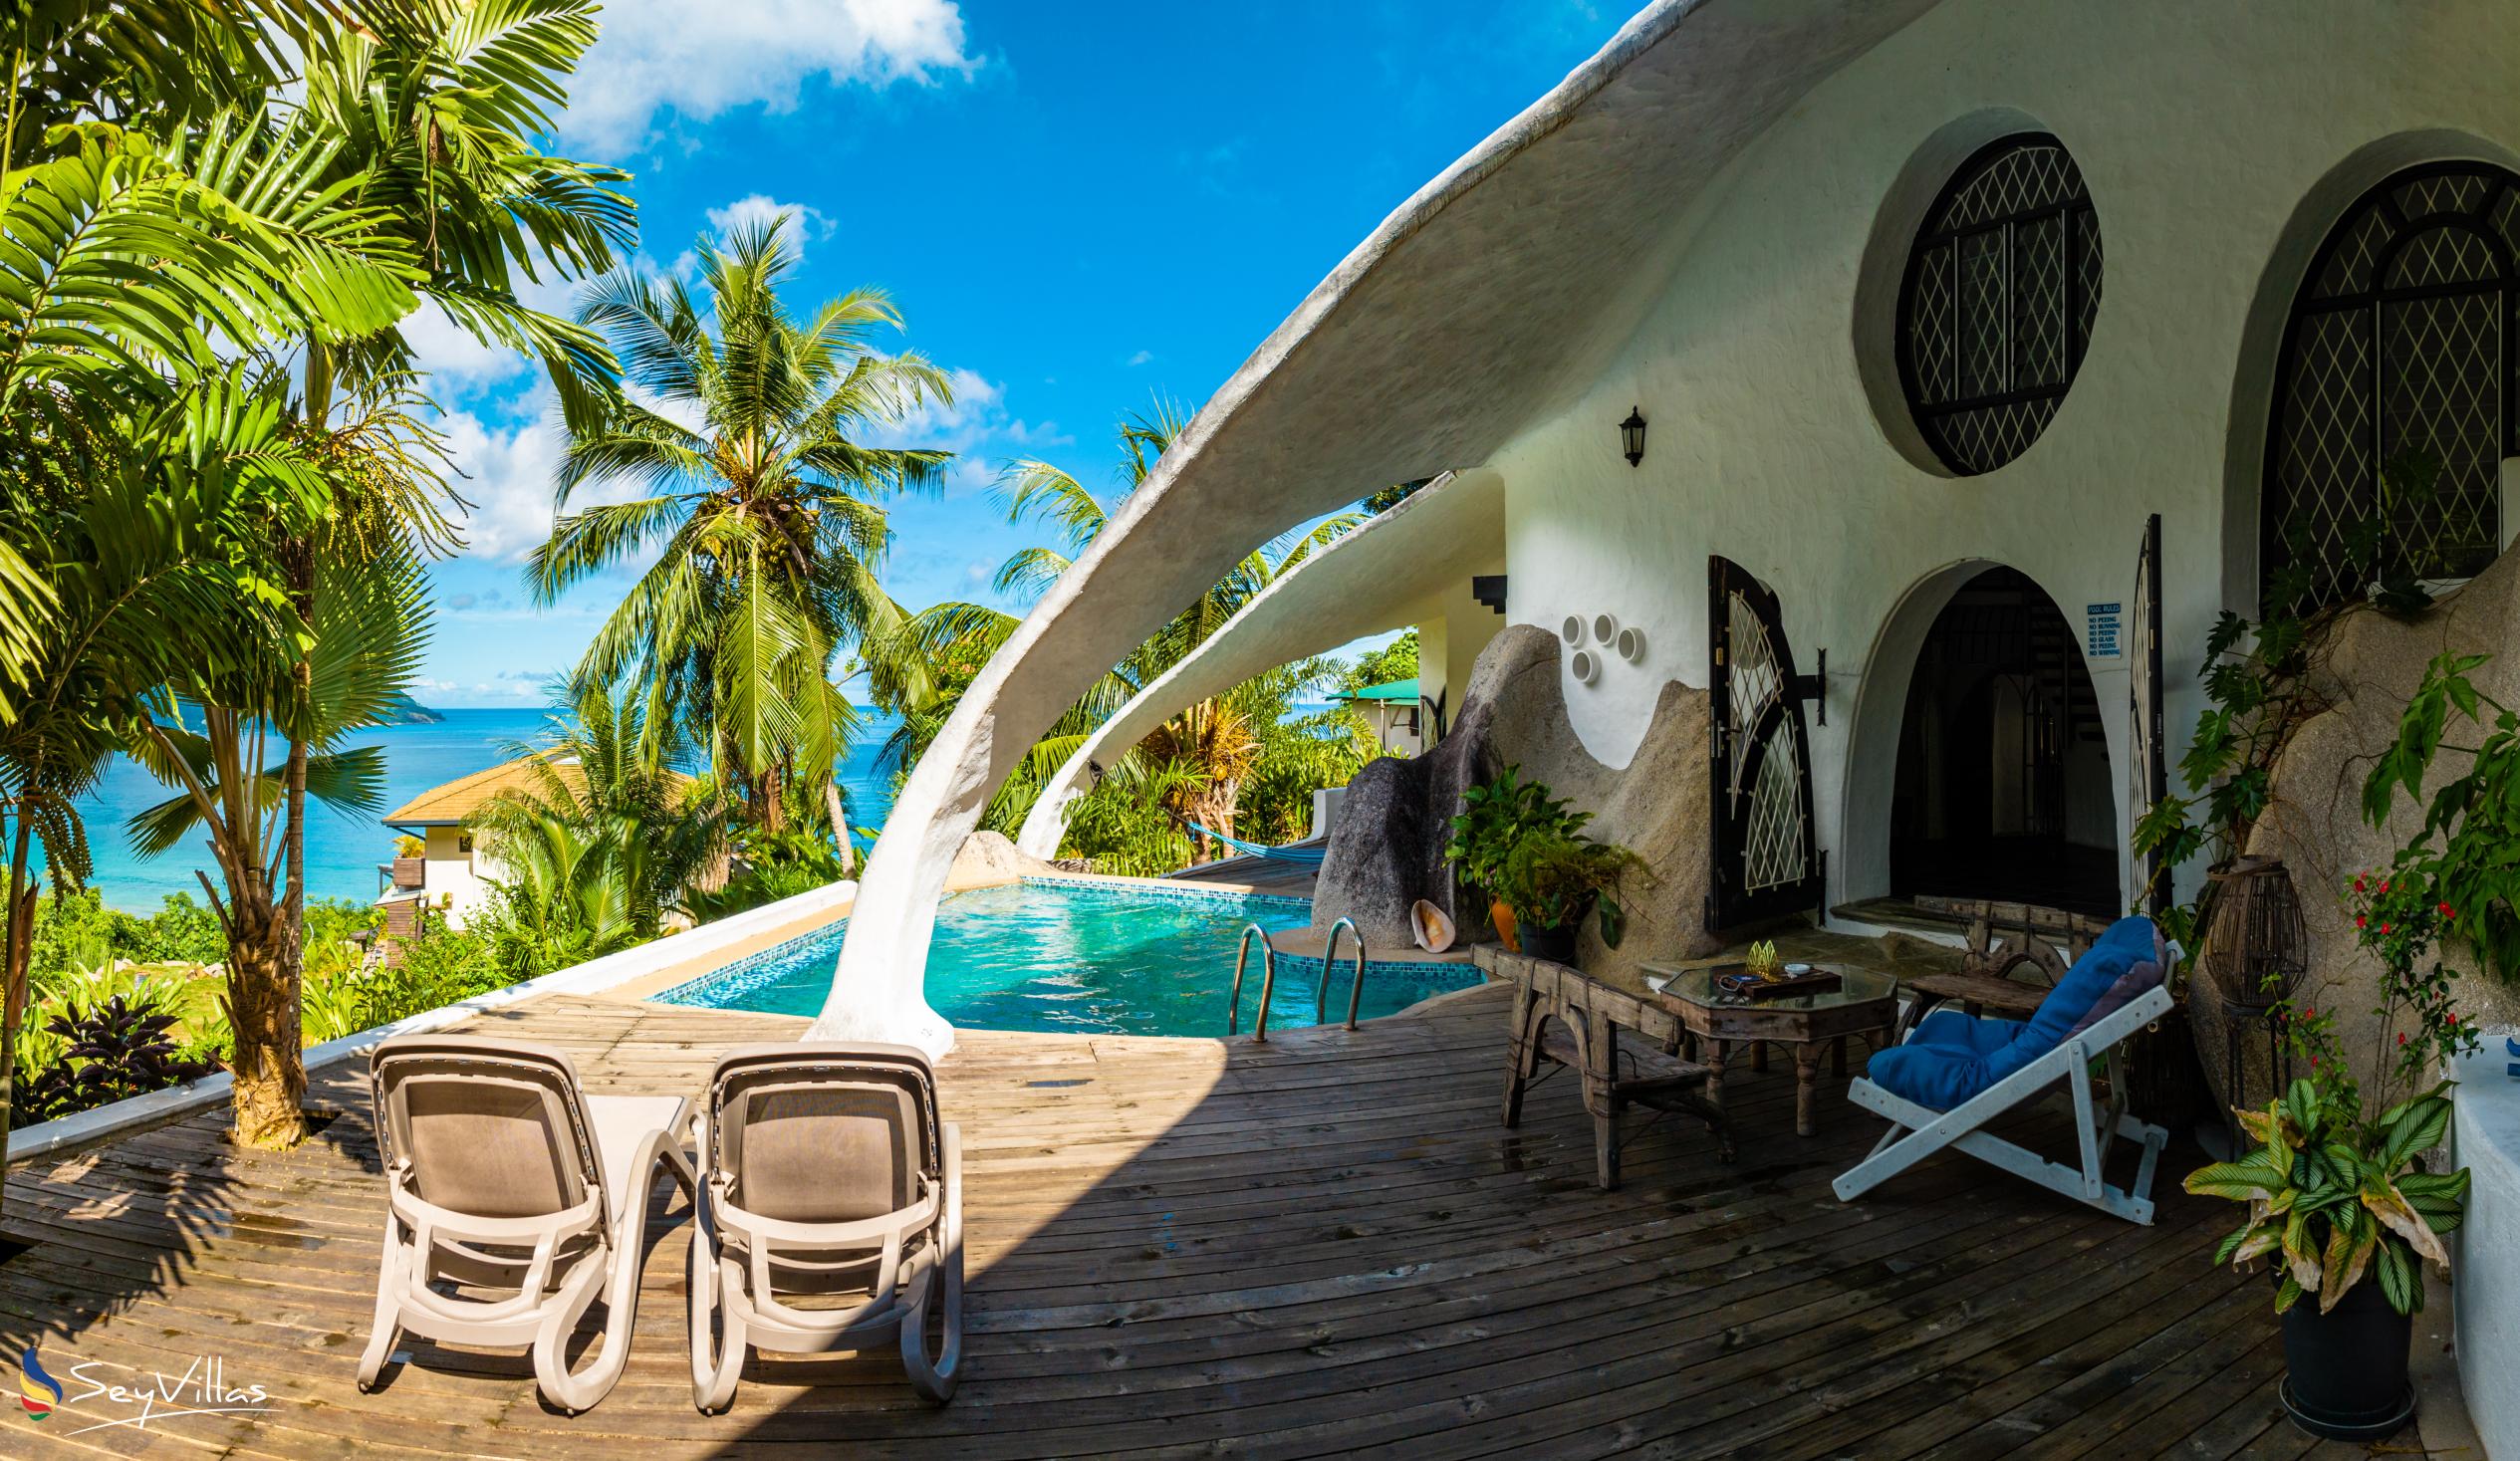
column 1268, row 982
column 1356, row 980
column 1269, row 978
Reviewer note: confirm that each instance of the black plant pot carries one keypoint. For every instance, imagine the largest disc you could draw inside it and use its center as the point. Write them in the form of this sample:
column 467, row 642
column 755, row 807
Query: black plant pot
column 2347, row 1368
column 1554, row 944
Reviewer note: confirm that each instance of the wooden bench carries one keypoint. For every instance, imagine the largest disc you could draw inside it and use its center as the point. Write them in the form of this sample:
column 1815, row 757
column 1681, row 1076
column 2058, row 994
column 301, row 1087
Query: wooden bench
column 2007, row 942
column 1561, row 1016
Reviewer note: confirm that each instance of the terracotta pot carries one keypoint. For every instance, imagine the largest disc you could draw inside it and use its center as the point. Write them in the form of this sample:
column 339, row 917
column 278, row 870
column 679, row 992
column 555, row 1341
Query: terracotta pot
column 1501, row 913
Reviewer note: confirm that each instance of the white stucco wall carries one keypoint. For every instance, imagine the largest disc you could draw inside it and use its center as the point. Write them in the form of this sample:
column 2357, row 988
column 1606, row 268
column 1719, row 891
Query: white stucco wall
column 2201, row 131
column 447, row 870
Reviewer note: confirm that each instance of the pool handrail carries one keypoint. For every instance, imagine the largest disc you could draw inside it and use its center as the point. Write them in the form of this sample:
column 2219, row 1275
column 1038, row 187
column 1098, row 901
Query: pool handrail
column 1356, row 980
column 1268, row 982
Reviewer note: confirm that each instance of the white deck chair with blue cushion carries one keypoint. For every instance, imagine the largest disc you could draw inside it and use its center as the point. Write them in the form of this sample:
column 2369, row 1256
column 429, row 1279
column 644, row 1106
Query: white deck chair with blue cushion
column 1955, row 1073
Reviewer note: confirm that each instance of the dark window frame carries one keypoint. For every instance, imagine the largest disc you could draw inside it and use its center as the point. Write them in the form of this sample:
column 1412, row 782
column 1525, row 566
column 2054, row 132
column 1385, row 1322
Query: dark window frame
column 2077, row 220
column 2371, row 302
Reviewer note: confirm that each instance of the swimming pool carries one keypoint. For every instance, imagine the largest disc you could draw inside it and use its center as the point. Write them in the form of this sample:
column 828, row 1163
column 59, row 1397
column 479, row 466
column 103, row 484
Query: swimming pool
column 1083, row 957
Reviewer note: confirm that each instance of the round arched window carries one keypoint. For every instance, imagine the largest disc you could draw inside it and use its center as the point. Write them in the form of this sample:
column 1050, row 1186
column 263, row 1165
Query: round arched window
column 2395, row 402
column 1997, row 307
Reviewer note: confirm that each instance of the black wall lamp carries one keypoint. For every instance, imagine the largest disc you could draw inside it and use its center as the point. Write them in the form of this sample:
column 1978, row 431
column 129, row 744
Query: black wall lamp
column 1631, row 435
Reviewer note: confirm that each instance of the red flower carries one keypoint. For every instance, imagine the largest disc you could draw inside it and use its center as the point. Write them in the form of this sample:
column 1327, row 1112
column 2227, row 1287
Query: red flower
column 2384, row 928
column 2314, row 1062
column 2402, row 1036
column 2358, row 882
column 2446, row 911
column 2310, row 1011
column 2455, row 1020
column 2360, row 920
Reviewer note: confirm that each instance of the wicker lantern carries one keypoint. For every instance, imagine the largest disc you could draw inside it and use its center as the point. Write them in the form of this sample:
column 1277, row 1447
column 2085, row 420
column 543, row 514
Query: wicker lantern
column 2258, row 947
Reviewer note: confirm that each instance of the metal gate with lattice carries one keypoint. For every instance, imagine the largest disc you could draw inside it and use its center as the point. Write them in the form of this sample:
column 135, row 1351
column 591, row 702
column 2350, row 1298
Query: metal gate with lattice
column 1766, row 856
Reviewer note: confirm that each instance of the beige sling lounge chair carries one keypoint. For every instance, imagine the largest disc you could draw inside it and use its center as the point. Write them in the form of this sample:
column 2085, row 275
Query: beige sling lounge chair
column 830, row 1213
column 504, row 1176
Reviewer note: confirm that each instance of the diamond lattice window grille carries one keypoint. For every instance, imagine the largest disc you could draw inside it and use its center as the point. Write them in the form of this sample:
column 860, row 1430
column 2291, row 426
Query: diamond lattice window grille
column 1771, row 850
column 1756, row 683
column 1996, row 312
column 2398, row 355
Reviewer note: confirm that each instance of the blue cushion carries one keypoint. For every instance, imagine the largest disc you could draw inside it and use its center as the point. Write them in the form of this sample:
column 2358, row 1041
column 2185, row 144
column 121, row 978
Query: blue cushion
column 1952, row 1058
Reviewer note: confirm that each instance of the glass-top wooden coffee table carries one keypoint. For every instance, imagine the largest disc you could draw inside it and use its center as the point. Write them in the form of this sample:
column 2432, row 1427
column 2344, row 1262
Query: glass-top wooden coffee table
column 1865, row 1002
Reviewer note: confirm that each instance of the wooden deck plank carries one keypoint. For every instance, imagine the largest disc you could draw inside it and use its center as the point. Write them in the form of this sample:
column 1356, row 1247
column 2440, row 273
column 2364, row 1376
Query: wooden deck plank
column 1325, row 1244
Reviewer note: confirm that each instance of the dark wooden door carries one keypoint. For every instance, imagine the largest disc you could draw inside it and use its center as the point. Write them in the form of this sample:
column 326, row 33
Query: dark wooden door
column 1766, row 853
column 2148, row 767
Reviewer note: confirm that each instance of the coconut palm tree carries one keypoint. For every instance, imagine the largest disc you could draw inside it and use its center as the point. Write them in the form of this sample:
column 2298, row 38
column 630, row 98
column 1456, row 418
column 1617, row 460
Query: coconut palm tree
column 747, row 425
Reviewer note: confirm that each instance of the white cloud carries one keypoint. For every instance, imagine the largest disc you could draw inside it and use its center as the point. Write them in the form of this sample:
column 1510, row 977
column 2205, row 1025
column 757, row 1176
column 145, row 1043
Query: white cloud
column 976, row 428
column 805, row 222
column 1142, row 357
column 702, row 61
column 508, row 472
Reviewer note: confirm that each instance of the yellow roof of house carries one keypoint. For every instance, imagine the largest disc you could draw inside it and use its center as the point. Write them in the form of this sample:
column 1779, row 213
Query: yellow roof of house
column 448, row 805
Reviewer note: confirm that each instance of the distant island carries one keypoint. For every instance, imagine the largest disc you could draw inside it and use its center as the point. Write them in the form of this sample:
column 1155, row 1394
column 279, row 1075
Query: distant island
column 407, row 711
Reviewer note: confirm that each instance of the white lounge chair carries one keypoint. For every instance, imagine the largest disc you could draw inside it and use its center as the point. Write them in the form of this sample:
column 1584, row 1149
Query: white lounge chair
column 504, row 1176
column 1954, row 1074
column 830, row 1214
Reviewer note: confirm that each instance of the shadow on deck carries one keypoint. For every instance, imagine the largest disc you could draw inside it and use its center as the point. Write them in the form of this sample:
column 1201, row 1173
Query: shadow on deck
column 1323, row 1245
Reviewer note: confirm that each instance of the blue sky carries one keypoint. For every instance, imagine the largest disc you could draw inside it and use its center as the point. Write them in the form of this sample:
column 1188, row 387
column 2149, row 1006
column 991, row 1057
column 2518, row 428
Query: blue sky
column 1076, row 207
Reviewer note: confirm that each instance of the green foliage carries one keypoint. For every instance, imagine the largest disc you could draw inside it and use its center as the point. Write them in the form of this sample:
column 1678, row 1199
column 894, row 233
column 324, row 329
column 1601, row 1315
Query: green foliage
column 1495, row 818
column 2465, row 860
column 1552, row 878
column 1397, row 660
column 109, row 1051
column 604, row 843
column 760, row 529
column 2334, row 1195
column 771, row 866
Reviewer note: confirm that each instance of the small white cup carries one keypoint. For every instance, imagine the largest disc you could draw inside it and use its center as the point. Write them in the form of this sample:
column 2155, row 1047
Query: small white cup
column 1586, row 666
column 1573, row 629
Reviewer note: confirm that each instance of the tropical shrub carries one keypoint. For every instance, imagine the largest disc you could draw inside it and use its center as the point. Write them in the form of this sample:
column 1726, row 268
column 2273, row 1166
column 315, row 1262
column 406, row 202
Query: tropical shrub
column 1498, row 814
column 2334, row 1189
column 1552, row 880
column 109, row 1052
column 2335, row 1195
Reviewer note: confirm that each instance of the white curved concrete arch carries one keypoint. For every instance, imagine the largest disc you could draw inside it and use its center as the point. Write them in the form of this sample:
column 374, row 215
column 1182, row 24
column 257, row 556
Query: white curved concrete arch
column 1481, row 302
column 1409, row 565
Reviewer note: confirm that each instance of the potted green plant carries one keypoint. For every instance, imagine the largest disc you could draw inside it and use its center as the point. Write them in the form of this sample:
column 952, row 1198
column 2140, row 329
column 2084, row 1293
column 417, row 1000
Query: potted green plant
column 2337, row 1191
column 1495, row 817
column 1552, row 880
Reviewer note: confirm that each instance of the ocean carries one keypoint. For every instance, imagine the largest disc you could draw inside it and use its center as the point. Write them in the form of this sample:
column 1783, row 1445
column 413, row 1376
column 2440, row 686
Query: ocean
column 342, row 852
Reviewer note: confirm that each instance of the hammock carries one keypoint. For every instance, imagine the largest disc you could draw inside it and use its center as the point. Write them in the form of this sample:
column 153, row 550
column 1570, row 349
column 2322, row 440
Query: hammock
column 1306, row 856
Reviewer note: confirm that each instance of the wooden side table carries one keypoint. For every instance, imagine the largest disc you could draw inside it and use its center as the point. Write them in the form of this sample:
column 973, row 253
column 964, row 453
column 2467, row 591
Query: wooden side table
column 1575, row 1022
column 1865, row 1002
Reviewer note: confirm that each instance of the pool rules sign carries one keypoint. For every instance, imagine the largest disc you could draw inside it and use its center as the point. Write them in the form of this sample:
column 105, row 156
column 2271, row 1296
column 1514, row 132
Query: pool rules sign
column 2100, row 633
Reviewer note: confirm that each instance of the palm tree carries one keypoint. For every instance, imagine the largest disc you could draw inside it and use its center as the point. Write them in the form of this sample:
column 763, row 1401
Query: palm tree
column 208, row 734
column 920, row 671
column 767, row 511
column 131, row 469
column 608, row 840
column 429, row 110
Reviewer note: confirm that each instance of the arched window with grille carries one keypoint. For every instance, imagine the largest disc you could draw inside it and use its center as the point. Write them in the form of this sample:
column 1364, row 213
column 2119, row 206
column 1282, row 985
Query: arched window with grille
column 1996, row 309
column 2394, row 391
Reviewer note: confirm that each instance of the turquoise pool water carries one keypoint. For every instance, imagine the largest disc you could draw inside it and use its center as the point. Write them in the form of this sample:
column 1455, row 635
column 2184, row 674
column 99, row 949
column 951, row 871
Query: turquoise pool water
column 1082, row 958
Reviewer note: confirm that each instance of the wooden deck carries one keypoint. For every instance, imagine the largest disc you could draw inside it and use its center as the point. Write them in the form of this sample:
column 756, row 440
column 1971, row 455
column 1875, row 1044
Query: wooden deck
column 1324, row 1246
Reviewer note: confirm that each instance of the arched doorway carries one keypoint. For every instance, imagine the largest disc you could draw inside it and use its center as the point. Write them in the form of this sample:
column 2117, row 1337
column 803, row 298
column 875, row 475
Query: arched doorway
column 2002, row 788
